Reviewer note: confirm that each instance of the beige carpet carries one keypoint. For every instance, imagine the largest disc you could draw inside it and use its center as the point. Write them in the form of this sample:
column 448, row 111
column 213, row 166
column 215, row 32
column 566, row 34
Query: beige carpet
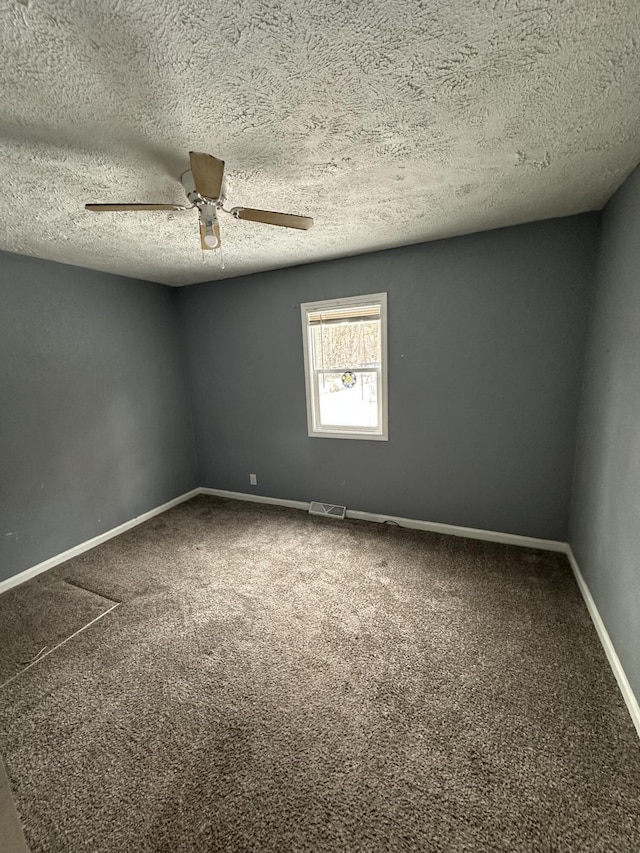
column 277, row 682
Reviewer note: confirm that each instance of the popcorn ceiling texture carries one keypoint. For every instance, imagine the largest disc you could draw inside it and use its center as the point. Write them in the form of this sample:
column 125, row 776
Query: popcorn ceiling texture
column 388, row 121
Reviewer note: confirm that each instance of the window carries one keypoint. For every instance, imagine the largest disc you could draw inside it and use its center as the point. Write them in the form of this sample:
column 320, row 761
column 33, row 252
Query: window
column 345, row 359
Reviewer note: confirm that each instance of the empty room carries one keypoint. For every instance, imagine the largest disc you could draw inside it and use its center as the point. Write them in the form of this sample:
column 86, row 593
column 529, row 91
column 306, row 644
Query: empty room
column 320, row 426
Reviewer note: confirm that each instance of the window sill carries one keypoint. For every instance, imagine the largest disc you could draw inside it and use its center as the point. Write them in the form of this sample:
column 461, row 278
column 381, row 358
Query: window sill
column 363, row 436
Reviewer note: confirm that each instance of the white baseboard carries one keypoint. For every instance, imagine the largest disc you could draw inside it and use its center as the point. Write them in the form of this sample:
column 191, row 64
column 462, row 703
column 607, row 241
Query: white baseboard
column 434, row 527
column 257, row 499
column 465, row 532
column 413, row 523
column 614, row 661
column 21, row 577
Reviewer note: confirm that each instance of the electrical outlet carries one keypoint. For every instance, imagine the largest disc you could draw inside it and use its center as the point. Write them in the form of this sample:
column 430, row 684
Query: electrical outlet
column 253, row 480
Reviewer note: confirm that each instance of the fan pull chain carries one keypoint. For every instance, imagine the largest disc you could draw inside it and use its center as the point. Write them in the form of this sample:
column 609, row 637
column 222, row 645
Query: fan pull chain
column 221, row 258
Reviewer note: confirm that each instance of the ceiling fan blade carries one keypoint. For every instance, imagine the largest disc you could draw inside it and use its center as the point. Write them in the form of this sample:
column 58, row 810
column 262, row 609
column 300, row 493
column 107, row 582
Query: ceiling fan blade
column 97, row 208
column 271, row 217
column 207, row 174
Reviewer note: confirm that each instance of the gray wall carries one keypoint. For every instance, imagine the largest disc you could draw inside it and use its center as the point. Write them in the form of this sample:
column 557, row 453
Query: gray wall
column 486, row 348
column 94, row 412
column 605, row 522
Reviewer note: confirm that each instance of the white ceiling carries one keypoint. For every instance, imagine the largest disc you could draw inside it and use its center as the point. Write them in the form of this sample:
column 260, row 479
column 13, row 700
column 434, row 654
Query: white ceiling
column 388, row 121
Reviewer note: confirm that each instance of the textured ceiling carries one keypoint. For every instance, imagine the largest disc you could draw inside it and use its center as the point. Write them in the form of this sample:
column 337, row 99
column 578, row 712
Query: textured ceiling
column 388, row 121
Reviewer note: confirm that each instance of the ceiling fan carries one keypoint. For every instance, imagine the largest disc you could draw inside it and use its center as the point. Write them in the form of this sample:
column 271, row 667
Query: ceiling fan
column 204, row 187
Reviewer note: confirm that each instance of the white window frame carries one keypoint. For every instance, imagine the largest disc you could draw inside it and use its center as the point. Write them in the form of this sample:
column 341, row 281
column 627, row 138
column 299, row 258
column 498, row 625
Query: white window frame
column 379, row 433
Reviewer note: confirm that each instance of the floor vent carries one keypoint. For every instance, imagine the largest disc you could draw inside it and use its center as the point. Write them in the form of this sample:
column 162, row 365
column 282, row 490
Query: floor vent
column 335, row 511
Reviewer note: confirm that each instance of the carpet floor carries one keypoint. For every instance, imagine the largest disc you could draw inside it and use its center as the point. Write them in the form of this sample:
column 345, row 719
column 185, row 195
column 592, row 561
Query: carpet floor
column 273, row 681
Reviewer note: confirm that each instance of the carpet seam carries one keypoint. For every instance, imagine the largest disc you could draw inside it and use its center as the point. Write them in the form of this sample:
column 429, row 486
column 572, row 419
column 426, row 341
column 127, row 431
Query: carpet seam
column 92, row 591
column 56, row 647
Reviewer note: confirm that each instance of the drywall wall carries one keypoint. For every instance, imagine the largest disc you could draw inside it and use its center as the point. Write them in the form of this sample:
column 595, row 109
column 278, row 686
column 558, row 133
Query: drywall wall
column 605, row 521
column 95, row 426
column 486, row 348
